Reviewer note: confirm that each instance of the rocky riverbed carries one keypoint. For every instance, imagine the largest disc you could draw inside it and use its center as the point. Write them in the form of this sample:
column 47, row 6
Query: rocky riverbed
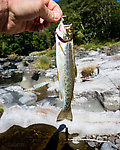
column 34, row 99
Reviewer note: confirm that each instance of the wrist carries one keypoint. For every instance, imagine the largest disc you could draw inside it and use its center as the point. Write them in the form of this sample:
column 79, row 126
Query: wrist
column 3, row 14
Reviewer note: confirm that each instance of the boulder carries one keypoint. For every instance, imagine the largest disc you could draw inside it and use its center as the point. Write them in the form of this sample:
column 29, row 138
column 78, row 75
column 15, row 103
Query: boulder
column 108, row 146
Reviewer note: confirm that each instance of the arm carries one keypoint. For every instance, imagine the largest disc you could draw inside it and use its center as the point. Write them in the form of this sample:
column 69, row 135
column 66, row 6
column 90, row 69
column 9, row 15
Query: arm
column 17, row 16
column 3, row 14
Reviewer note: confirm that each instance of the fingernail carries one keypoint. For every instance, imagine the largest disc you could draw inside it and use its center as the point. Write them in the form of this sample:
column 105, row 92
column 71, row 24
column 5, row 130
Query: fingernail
column 56, row 15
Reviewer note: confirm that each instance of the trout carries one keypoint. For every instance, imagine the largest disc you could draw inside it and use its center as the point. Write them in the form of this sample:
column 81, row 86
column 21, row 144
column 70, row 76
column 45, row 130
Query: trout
column 65, row 62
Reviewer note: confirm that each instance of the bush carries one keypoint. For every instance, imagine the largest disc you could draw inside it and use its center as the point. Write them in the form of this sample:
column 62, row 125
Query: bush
column 43, row 63
column 51, row 53
column 88, row 71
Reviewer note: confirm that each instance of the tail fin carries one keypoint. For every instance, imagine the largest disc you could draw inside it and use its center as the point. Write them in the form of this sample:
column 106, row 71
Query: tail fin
column 65, row 114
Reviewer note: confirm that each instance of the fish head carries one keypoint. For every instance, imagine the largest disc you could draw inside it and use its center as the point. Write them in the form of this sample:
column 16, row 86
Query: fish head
column 68, row 36
column 64, row 32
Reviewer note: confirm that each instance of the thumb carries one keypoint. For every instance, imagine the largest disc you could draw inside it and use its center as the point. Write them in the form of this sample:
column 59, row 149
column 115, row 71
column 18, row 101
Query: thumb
column 50, row 15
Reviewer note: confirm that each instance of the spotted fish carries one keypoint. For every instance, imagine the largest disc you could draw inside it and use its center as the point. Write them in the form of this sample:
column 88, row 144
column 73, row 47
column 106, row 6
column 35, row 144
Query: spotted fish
column 66, row 68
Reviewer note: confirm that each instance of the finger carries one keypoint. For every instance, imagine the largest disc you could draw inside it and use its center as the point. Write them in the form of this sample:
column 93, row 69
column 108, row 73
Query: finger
column 50, row 12
column 41, row 20
column 34, row 27
column 52, row 5
column 46, row 24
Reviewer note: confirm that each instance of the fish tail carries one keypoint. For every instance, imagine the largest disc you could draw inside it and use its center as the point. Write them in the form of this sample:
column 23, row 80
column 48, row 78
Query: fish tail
column 65, row 114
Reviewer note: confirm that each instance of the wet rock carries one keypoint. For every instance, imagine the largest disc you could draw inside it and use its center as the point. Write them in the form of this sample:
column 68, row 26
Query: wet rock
column 27, row 81
column 15, row 59
column 11, row 59
column 9, row 65
column 90, row 102
column 30, row 59
column 9, row 77
column 92, row 144
column 31, row 76
column 38, row 136
column 108, row 146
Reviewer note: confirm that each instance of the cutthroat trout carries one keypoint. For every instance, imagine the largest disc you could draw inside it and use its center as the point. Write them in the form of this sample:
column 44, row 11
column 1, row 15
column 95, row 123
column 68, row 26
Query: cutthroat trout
column 66, row 68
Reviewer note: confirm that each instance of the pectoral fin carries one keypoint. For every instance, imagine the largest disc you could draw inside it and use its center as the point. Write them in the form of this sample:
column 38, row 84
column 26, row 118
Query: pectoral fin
column 60, row 95
column 73, row 98
column 61, row 48
column 58, row 76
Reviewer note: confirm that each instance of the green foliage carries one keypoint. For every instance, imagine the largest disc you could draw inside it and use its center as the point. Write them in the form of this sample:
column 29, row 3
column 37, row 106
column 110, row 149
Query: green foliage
column 43, row 63
column 24, row 62
column 42, row 53
column 92, row 20
column 93, row 46
column 51, row 53
column 1, row 110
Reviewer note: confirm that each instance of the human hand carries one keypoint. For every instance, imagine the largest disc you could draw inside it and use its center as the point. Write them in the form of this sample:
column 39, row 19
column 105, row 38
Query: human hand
column 30, row 15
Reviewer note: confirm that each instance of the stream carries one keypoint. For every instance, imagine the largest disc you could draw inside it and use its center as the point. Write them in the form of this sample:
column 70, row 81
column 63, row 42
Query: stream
column 31, row 108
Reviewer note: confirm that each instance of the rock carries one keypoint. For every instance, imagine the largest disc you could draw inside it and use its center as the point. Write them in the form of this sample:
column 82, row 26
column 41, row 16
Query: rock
column 15, row 59
column 92, row 144
column 81, row 53
column 41, row 92
column 30, row 59
column 34, row 53
column 9, row 65
column 115, row 48
column 6, row 98
column 28, row 98
column 11, row 59
column 109, row 99
column 108, row 146
column 2, row 91
column 112, row 139
column 9, row 77
column 117, row 141
column 38, row 136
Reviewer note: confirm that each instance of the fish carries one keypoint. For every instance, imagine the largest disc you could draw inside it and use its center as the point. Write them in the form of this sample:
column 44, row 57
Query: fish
column 65, row 62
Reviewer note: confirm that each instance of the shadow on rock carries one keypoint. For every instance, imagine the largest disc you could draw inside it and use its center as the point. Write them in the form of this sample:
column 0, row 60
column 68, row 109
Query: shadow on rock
column 54, row 140
column 39, row 137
